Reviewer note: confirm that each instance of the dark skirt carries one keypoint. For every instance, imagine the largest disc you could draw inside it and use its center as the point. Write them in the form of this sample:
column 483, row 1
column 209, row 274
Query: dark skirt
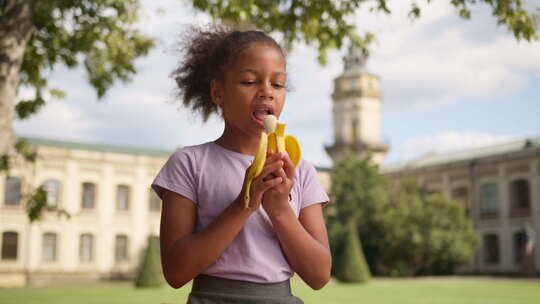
column 213, row 290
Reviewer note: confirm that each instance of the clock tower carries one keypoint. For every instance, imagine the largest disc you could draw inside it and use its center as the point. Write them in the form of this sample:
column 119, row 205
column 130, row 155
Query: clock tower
column 357, row 110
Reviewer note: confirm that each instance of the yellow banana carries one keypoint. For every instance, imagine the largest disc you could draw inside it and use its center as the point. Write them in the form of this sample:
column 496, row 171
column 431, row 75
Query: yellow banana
column 256, row 167
column 279, row 142
column 273, row 140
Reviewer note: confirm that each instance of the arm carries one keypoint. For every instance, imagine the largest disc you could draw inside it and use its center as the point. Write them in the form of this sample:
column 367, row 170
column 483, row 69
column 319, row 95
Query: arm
column 305, row 243
column 185, row 253
column 304, row 240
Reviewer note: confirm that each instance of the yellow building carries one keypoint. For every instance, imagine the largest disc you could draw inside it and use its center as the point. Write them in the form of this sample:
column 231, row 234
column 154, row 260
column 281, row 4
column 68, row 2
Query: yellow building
column 106, row 191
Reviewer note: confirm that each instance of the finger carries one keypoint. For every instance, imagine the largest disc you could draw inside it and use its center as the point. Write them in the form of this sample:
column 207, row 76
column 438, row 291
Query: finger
column 271, row 183
column 281, row 173
column 270, row 168
column 288, row 165
column 271, row 158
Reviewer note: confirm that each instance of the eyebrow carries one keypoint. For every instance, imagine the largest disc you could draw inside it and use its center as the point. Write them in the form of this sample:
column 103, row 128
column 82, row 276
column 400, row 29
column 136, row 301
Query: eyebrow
column 255, row 72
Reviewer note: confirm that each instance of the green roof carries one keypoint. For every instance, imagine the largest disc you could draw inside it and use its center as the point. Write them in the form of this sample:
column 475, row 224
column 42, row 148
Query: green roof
column 432, row 159
column 96, row 147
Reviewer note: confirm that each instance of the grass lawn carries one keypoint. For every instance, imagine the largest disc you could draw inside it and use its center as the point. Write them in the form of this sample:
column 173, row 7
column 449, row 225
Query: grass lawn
column 462, row 290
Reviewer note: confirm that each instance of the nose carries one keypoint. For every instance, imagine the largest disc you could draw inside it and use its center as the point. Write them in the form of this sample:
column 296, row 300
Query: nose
column 266, row 91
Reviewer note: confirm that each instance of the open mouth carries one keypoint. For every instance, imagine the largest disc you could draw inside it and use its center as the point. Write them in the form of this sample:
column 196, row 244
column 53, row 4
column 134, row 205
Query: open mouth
column 259, row 114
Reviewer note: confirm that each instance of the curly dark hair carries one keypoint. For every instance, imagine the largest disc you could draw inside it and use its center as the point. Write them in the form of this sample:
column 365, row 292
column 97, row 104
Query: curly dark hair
column 207, row 53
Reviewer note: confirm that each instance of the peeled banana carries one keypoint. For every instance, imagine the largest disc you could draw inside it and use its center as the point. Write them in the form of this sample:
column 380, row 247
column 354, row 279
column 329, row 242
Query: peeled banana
column 273, row 139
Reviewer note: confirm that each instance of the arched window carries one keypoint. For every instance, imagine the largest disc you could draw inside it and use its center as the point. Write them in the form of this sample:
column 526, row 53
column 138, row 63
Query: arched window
column 122, row 197
column 520, row 197
column 52, row 189
column 10, row 242
column 49, row 247
column 489, row 204
column 13, row 188
column 491, row 248
column 86, row 247
column 88, row 195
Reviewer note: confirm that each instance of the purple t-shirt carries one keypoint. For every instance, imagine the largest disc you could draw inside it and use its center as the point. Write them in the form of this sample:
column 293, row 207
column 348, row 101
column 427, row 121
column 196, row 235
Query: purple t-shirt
column 211, row 177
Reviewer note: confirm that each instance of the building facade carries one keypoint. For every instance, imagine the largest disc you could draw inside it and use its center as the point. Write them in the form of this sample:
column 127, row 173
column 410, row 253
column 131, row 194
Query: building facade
column 106, row 192
column 499, row 187
column 112, row 210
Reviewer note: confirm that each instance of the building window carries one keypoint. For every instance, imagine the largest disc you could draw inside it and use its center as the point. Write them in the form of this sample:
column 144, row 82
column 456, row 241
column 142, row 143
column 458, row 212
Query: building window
column 154, row 201
column 488, row 199
column 122, row 197
column 88, row 195
column 13, row 191
column 49, row 247
column 461, row 194
column 520, row 197
column 10, row 241
column 520, row 242
column 52, row 190
column 121, row 248
column 86, row 248
column 491, row 249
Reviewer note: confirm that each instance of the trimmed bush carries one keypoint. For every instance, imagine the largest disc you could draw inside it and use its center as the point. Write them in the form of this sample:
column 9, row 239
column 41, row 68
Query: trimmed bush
column 150, row 273
column 352, row 266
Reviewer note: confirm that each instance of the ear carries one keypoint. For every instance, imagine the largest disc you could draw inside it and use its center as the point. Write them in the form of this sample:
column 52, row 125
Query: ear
column 216, row 90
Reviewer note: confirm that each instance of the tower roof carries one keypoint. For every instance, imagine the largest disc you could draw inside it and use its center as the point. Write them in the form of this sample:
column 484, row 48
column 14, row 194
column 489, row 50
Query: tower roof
column 355, row 60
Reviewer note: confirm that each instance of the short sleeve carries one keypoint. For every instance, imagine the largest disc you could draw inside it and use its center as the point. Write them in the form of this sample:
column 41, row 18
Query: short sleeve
column 178, row 175
column 312, row 190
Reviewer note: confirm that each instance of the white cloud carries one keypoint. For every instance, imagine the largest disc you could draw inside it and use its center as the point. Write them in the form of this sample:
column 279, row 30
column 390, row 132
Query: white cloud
column 59, row 120
column 447, row 141
column 441, row 58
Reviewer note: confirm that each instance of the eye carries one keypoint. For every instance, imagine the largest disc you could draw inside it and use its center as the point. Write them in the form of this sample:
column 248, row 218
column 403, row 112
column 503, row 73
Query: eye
column 278, row 85
column 249, row 82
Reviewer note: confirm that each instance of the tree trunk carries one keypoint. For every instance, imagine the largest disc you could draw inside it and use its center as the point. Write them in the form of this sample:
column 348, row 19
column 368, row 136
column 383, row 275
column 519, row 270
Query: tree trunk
column 16, row 28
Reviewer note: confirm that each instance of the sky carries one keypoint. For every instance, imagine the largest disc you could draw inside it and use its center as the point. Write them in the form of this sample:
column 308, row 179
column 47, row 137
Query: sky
column 447, row 84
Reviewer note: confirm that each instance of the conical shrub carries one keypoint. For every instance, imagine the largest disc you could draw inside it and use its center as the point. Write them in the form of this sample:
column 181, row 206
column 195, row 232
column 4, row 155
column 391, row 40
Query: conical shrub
column 150, row 273
column 352, row 267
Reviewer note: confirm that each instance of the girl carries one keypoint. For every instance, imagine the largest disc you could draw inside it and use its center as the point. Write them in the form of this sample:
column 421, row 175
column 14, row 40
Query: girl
column 238, row 255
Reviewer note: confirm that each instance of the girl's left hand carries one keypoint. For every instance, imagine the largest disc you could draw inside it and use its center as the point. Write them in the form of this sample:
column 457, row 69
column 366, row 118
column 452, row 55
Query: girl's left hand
column 276, row 199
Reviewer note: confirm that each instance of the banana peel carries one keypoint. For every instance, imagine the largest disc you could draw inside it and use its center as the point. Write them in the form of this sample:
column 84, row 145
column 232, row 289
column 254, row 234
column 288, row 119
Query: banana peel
column 273, row 139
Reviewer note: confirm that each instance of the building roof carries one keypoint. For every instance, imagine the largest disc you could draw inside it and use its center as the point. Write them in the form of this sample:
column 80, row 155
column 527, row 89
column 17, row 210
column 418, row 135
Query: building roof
column 96, row 147
column 36, row 141
column 432, row 159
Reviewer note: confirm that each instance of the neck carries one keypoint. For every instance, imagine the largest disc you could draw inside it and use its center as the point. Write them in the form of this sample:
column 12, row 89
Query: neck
column 238, row 141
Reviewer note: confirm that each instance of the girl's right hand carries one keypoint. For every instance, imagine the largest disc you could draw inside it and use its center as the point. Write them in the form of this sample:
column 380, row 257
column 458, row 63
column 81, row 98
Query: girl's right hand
column 263, row 182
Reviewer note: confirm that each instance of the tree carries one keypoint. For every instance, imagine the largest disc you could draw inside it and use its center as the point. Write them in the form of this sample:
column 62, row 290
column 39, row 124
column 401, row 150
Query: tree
column 360, row 195
column 404, row 231
column 351, row 264
column 328, row 24
column 424, row 233
column 37, row 36
column 150, row 274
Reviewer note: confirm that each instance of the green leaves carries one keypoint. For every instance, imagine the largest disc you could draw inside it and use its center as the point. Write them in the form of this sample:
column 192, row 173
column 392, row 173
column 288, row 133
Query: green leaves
column 404, row 230
column 37, row 204
column 324, row 24
column 100, row 34
column 327, row 24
